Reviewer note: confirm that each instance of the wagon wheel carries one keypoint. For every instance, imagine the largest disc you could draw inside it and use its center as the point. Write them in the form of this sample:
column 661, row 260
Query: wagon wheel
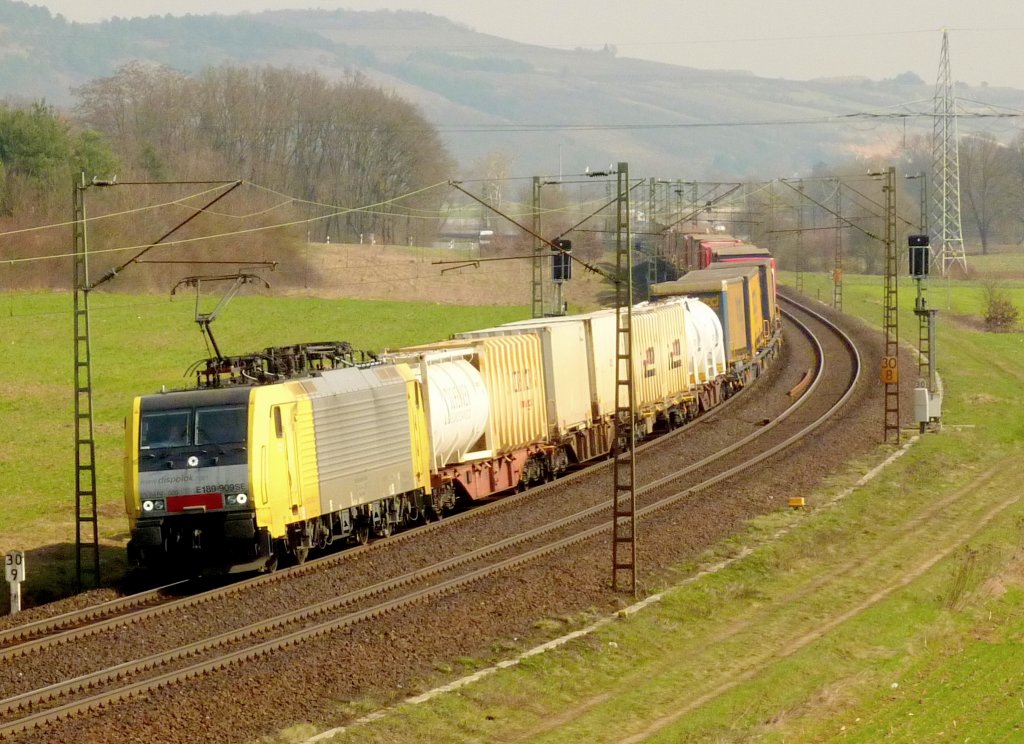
column 386, row 528
column 362, row 532
column 436, row 506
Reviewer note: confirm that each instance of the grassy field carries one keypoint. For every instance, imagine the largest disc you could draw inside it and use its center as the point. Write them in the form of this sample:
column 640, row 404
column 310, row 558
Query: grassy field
column 139, row 344
column 1003, row 262
column 889, row 610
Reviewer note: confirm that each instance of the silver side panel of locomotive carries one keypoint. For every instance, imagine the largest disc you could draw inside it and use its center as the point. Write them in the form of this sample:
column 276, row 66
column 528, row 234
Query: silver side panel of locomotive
column 362, row 433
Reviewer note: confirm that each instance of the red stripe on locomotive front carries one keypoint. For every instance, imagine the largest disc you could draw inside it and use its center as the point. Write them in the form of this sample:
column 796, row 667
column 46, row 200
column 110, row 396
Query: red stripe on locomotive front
column 205, row 501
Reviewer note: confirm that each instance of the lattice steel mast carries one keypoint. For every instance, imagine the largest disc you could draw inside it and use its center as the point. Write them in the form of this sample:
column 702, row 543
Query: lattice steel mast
column 87, row 539
column 539, row 252
column 948, row 242
column 624, row 453
column 890, row 364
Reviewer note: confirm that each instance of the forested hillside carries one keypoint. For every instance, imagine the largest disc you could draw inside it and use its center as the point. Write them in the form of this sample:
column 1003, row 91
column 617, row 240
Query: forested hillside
column 296, row 152
column 540, row 108
column 350, row 125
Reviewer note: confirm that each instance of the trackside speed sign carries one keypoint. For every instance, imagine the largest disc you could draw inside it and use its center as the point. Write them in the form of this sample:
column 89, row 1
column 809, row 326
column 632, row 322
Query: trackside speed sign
column 890, row 371
column 14, row 567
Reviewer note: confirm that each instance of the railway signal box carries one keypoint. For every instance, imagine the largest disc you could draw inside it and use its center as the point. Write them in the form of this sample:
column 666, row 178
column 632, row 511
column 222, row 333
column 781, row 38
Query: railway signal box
column 920, row 256
column 561, row 262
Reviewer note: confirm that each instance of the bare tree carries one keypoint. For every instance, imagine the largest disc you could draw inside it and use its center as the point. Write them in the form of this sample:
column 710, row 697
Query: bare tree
column 986, row 185
column 1017, row 209
column 344, row 143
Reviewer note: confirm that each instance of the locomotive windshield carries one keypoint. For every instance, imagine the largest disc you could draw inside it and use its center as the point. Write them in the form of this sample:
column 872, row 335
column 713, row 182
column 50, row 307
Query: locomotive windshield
column 165, row 429
column 221, row 425
column 201, row 426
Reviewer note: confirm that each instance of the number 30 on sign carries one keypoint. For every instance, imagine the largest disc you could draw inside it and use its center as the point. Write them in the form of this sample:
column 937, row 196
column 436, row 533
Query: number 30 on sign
column 890, row 370
column 14, row 567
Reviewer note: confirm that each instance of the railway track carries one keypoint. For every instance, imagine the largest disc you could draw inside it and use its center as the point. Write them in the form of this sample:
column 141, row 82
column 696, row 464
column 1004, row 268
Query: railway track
column 552, row 528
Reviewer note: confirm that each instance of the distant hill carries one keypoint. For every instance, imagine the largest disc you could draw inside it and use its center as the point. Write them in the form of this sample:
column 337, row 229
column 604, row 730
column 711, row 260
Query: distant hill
column 544, row 109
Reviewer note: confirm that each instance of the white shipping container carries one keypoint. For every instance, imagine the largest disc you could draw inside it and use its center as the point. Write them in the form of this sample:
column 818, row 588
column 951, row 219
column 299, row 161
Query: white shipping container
column 707, row 342
column 456, row 400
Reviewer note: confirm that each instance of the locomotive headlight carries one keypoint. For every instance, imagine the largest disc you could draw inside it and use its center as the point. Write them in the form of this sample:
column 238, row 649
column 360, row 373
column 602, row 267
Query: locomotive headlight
column 147, row 506
column 241, row 499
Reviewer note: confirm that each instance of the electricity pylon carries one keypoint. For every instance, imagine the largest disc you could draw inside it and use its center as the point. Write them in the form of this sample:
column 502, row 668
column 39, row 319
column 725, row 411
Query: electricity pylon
column 948, row 243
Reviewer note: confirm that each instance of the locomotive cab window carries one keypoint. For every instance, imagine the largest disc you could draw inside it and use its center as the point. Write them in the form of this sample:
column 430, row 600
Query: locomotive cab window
column 221, row 425
column 278, row 424
column 165, row 429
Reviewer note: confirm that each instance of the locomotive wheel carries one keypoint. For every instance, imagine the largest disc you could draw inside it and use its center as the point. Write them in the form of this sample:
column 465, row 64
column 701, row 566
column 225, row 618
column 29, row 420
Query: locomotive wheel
column 301, row 553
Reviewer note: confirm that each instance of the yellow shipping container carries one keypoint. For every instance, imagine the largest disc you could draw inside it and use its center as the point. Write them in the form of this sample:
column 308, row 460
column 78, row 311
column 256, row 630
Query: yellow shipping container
column 660, row 355
column 766, row 282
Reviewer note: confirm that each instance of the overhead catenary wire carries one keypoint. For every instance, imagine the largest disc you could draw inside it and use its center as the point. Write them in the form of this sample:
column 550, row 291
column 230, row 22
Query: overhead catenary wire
column 337, row 211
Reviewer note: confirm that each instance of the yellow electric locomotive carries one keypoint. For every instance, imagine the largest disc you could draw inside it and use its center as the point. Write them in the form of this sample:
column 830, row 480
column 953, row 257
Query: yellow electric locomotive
column 233, row 478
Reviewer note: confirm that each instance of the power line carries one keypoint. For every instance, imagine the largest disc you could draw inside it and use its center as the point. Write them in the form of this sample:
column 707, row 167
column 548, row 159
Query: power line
column 338, row 211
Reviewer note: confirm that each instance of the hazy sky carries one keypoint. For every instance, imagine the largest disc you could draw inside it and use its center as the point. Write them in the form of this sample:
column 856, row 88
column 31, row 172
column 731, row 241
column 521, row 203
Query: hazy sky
column 795, row 39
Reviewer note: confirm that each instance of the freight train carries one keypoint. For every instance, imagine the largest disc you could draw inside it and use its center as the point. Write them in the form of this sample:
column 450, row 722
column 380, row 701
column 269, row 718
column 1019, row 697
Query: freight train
column 269, row 460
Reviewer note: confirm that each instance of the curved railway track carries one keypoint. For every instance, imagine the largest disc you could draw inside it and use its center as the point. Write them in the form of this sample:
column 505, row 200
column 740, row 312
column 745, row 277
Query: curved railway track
column 549, row 521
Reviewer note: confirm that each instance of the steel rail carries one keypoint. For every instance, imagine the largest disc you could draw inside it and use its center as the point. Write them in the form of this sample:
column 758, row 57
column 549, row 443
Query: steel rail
column 33, row 699
column 18, row 634
column 69, row 627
